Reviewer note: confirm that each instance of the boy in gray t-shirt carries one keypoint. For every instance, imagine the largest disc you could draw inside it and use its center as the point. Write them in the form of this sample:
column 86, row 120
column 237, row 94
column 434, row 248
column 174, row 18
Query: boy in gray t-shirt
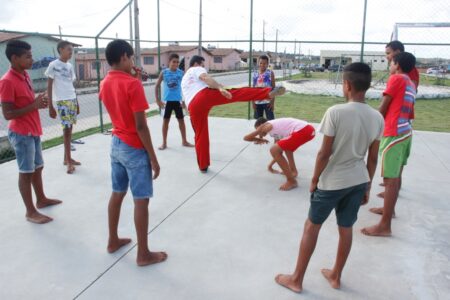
column 341, row 179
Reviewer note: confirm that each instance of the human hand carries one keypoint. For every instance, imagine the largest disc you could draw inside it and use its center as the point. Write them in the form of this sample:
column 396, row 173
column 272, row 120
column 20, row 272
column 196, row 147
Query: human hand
column 254, row 105
column 137, row 73
column 271, row 105
column 366, row 197
column 78, row 109
column 183, row 105
column 313, row 185
column 41, row 101
column 52, row 112
column 155, row 168
column 225, row 93
column 160, row 104
column 260, row 141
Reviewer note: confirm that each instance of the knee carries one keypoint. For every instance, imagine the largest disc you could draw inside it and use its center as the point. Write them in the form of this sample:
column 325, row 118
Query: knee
column 276, row 151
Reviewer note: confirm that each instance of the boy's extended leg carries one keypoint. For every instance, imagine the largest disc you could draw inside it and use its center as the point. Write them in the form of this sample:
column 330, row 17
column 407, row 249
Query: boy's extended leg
column 308, row 243
column 277, row 154
column 32, row 215
column 115, row 203
column 390, row 198
column 144, row 256
column 291, row 161
column 345, row 244
column 41, row 200
column 165, row 129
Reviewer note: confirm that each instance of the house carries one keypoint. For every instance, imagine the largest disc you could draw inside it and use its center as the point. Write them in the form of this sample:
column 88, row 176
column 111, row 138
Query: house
column 225, row 59
column 255, row 56
column 86, row 66
column 375, row 59
column 44, row 51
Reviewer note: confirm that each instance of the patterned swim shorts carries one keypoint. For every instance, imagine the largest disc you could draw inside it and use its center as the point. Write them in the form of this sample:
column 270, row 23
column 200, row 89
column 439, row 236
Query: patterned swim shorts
column 67, row 110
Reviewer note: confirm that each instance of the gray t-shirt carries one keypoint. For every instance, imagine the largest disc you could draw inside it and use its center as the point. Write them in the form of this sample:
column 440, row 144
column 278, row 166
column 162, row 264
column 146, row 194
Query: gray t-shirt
column 354, row 126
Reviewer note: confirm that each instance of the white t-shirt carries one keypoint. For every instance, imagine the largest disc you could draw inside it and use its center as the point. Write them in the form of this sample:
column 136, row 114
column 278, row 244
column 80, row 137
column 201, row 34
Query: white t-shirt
column 284, row 127
column 63, row 77
column 191, row 83
column 355, row 126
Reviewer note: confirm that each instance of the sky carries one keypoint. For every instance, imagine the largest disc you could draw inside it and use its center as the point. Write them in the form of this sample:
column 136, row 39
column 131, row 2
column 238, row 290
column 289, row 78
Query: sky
column 305, row 20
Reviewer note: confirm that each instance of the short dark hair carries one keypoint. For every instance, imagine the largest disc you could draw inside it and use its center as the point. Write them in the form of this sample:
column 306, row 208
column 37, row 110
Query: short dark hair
column 62, row 45
column 405, row 60
column 196, row 59
column 116, row 49
column 173, row 56
column 264, row 57
column 359, row 75
column 260, row 121
column 16, row 47
column 396, row 45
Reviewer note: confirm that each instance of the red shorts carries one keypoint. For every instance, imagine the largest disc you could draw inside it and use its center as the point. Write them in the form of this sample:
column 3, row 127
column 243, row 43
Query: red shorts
column 298, row 138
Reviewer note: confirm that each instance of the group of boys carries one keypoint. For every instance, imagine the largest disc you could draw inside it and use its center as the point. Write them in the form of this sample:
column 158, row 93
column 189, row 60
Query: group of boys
column 341, row 178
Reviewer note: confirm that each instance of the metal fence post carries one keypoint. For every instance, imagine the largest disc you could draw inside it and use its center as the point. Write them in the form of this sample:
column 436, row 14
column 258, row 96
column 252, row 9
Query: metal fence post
column 250, row 55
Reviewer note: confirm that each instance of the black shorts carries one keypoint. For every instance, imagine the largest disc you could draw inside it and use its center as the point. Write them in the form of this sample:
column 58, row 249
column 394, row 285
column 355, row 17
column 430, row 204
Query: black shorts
column 176, row 106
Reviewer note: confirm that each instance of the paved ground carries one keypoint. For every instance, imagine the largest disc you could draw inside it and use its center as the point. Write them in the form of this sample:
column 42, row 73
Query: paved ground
column 227, row 233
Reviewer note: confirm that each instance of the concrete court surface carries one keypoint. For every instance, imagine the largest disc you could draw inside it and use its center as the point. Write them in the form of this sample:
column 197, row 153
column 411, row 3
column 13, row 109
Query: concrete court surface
column 227, row 232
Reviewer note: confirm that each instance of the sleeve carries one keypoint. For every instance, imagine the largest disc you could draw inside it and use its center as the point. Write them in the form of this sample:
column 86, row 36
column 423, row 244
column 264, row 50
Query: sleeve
column 137, row 99
column 199, row 71
column 393, row 86
column 328, row 126
column 50, row 72
column 6, row 91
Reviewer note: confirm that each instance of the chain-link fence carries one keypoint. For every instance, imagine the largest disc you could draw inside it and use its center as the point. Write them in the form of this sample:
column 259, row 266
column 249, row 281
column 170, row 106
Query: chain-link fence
column 308, row 43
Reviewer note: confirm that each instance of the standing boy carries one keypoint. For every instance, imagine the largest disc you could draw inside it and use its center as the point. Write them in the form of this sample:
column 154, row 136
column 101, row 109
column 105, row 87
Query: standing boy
column 172, row 99
column 132, row 155
column 264, row 78
column 60, row 90
column 20, row 107
column 341, row 179
column 202, row 92
column 289, row 134
column 397, row 107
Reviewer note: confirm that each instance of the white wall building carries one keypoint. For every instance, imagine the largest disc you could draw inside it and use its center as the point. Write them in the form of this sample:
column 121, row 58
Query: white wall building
column 376, row 59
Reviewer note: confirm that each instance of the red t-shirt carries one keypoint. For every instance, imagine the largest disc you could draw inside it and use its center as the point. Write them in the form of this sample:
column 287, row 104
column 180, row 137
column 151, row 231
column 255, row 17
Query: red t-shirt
column 401, row 109
column 123, row 95
column 414, row 76
column 16, row 88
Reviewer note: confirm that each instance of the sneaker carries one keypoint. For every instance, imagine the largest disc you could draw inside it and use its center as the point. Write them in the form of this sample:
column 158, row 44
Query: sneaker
column 205, row 170
column 277, row 91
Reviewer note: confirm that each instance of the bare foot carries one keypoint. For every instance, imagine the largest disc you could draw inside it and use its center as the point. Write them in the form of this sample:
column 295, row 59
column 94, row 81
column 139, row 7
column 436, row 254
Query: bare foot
column 70, row 169
column 41, row 203
column 288, row 282
column 162, row 147
column 274, row 171
column 379, row 211
column 289, row 185
column 37, row 218
column 380, row 195
column 151, row 258
column 187, row 144
column 113, row 246
column 376, row 230
column 72, row 162
column 334, row 281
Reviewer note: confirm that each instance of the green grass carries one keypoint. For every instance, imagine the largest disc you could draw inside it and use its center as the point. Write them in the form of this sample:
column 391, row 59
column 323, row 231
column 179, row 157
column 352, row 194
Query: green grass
column 431, row 115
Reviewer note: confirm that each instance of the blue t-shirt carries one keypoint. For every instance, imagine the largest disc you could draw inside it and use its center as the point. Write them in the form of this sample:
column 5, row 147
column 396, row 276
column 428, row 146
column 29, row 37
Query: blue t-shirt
column 172, row 85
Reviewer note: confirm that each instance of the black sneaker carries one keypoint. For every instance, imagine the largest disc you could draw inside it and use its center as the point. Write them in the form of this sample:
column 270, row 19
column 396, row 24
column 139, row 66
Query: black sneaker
column 277, row 91
column 205, row 170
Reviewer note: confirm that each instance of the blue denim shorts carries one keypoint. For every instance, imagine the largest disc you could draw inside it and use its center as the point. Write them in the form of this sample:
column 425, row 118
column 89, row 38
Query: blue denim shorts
column 346, row 202
column 28, row 151
column 130, row 166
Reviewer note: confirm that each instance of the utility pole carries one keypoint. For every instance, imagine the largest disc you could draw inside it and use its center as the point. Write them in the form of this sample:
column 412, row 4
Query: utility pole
column 200, row 31
column 137, row 46
column 264, row 34
column 159, row 40
column 60, row 34
column 295, row 50
column 130, row 10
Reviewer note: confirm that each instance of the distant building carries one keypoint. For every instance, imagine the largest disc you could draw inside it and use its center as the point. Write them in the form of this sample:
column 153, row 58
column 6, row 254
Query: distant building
column 376, row 59
column 225, row 59
column 44, row 51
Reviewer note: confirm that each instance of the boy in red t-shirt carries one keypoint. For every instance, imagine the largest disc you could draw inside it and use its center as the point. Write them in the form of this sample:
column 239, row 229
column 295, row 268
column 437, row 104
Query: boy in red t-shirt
column 397, row 107
column 20, row 107
column 132, row 155
column 395, row 47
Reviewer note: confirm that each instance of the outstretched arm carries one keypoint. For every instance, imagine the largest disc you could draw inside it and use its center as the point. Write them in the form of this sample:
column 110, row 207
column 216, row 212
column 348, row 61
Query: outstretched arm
column 213, row 84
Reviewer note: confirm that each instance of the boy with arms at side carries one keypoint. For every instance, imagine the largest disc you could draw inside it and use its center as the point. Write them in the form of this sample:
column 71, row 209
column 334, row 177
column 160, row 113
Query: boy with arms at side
column 20, row 108
column 132, row 155
column 341, row 179
column 397, row 107
column 172, row 99
column 264, row 78
column 60, row 89
column 289, row 134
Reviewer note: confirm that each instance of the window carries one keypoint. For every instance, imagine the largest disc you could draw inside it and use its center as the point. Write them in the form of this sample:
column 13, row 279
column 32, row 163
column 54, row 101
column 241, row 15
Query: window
column 94, row 65
column 374, row 60
column 149, row 60
column 382, row 60
column 217, row 59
